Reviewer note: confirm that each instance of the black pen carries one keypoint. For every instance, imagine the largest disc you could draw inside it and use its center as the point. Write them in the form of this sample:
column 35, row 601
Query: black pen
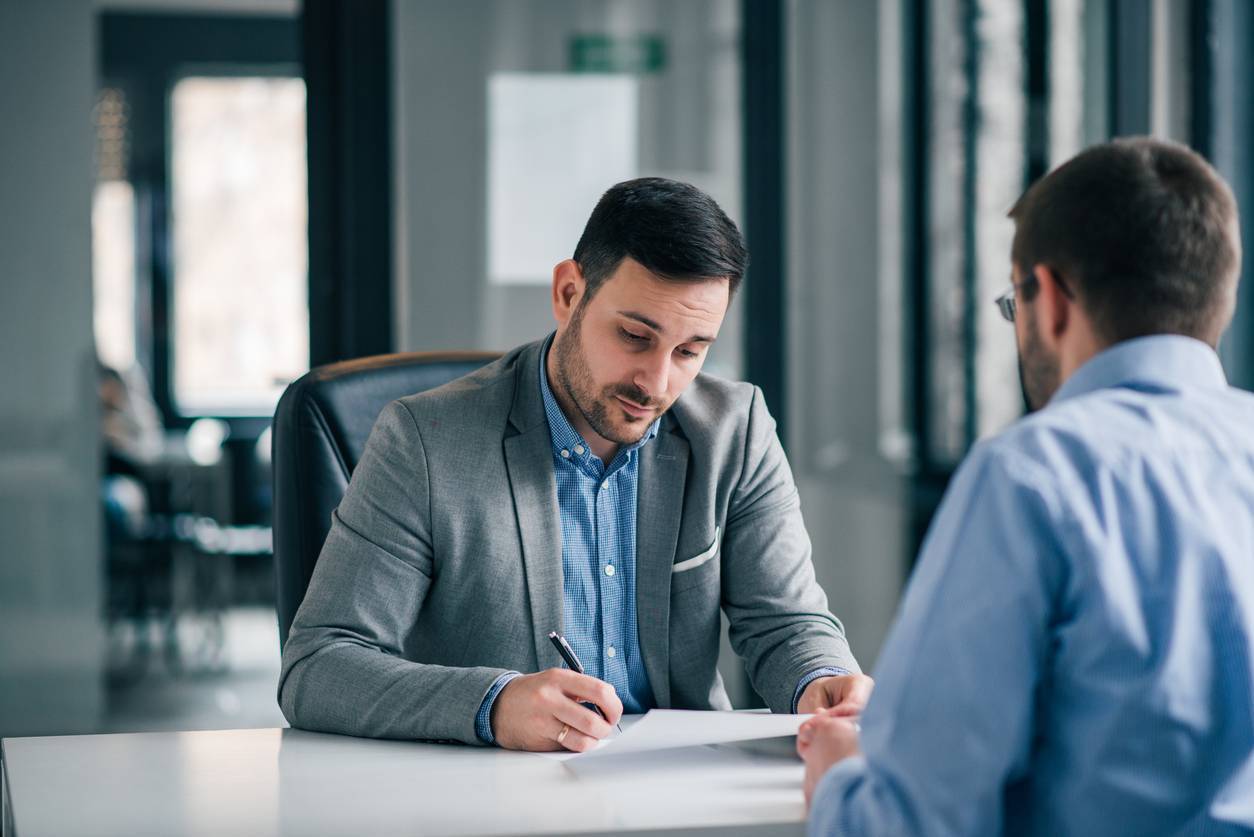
column 572, row 662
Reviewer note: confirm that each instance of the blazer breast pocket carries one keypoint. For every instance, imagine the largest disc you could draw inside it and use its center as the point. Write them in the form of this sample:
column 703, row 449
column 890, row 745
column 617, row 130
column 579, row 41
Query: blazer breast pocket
column 683, row 573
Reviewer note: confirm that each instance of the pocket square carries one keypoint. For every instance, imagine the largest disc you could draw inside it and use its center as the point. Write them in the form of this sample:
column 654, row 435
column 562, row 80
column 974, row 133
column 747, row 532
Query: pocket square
column 697, row 560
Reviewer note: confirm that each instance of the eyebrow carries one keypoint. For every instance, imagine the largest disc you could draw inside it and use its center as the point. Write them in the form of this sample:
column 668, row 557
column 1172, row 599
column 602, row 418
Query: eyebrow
column 643, row 320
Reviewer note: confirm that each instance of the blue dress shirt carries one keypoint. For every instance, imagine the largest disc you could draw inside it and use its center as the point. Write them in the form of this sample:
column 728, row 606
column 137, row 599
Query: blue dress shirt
column 597, row 507
column 1073, row 654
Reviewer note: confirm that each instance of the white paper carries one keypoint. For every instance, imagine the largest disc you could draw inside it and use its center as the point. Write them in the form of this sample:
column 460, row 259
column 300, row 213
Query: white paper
column 663, row 729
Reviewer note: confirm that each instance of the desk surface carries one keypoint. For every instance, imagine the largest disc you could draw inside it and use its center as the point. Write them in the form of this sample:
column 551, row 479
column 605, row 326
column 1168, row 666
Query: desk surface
column 282, row 781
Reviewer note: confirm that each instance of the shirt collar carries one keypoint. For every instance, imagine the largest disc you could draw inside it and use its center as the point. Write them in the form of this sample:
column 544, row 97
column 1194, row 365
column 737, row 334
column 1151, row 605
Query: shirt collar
column 1165, row 361
column 563, row 436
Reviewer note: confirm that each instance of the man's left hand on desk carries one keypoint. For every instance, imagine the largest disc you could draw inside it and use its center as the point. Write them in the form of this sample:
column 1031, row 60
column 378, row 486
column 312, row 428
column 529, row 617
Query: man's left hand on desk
column 845, row 694
column 824, row 740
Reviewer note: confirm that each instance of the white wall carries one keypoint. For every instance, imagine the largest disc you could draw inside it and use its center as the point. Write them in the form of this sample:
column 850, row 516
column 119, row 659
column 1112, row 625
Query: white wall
column 845, row 386
column 443, row 55
column 50, row 535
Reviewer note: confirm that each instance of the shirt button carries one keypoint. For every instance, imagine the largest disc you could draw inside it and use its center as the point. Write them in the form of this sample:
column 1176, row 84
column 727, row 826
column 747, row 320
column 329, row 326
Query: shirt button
column 611, row 652
column 579, row 449
column 565, row 454
column 609, row 569
column 605, row 485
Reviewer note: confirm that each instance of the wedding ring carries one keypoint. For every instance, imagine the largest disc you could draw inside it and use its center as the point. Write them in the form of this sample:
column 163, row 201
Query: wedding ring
column 561, row 736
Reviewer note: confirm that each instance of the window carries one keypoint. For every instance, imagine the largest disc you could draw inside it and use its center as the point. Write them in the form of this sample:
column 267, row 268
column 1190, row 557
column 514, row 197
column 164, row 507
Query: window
column 113, row 237
column 239, row 220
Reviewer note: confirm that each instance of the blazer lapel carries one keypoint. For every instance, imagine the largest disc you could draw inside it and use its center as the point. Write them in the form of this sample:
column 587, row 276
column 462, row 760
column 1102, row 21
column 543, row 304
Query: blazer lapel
column 529, row 460
column 659, row 510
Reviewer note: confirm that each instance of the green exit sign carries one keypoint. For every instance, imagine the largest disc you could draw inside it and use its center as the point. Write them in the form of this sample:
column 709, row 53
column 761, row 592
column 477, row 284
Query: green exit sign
column 610, row 54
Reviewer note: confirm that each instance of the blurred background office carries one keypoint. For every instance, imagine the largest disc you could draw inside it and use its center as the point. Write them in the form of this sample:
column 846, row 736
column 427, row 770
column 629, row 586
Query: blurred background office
column 202, row 200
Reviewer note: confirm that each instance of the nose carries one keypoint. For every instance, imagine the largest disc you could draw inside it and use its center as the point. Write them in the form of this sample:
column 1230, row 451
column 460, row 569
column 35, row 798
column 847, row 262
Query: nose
column 654, row 373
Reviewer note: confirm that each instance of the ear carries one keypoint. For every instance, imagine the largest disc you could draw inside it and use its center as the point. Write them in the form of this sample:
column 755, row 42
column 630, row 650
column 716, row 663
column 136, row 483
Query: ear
column 568, row 289
column 1056, row 314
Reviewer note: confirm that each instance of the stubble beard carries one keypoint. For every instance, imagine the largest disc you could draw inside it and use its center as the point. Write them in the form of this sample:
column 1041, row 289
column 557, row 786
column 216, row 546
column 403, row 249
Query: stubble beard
column 575, row 378
column 1038, row 371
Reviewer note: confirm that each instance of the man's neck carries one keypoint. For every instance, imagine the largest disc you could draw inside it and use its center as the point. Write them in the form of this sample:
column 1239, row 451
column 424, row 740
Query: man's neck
column 1082, row 347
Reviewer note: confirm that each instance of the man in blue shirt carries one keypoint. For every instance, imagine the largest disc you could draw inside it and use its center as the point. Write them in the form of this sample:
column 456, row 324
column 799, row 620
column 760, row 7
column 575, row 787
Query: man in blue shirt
column 1073, row 654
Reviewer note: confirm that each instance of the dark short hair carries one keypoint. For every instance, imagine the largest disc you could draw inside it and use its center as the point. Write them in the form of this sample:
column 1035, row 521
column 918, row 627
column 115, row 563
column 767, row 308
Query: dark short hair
column 673, row 229
column 1144, row 230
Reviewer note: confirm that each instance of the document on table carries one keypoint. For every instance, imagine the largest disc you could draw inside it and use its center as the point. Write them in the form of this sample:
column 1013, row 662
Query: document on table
column 663, row 729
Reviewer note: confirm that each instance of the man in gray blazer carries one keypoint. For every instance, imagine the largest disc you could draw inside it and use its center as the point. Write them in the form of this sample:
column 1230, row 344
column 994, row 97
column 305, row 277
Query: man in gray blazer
column 567, row 487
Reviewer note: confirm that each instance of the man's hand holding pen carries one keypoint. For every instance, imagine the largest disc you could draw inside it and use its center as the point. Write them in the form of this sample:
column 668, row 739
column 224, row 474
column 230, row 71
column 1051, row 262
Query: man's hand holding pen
column 545, row 711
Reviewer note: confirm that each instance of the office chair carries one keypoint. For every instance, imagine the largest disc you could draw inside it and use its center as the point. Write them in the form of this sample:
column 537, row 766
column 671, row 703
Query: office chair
column 320, row 430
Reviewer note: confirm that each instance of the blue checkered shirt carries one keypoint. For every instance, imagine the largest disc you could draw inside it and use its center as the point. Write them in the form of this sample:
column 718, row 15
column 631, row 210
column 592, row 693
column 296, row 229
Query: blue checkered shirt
column 597, row 506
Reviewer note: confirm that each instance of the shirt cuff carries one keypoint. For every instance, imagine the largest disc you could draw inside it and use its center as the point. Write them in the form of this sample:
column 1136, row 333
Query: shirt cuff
column 483, row 720
column 829, row 671
column 836, row 806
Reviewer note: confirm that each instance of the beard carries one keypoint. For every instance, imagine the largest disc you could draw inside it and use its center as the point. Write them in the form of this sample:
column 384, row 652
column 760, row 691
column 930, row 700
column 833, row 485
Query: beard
column 597, row 406
column 1038, row 371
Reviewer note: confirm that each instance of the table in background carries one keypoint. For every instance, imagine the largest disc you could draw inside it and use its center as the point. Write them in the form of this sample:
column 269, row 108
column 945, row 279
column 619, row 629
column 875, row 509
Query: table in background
column 291, row 782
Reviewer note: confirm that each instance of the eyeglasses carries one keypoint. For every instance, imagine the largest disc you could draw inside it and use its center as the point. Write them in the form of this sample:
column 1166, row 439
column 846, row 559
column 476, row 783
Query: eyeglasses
column 1006, row 302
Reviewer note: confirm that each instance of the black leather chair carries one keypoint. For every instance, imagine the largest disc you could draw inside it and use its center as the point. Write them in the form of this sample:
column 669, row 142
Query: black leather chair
column 320, row 430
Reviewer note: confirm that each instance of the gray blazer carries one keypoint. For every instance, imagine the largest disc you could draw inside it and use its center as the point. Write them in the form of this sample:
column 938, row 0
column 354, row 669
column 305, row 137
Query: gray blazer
column 443, row 566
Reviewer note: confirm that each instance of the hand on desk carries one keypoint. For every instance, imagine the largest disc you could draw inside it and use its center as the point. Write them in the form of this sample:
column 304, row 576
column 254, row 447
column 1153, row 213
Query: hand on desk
column 847, row 694
column 822, row 741
column 545, row 711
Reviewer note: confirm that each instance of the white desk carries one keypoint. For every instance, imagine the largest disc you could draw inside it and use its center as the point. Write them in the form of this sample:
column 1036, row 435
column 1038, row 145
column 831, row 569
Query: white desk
column 291, row 782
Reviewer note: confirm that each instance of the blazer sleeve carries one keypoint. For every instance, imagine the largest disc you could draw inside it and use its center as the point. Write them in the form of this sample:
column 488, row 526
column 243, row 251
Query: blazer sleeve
column 779, row 621
column 343, row 665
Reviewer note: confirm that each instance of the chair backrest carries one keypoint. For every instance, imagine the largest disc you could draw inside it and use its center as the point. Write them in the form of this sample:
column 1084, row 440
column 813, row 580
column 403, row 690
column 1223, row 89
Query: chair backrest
column 320, row 430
